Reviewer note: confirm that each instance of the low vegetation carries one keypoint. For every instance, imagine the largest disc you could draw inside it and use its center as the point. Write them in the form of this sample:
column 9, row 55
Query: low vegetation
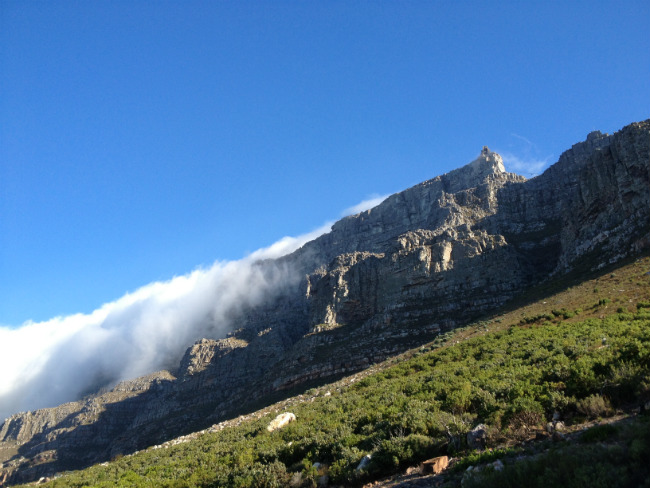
column 579, row 360
column 606, row 456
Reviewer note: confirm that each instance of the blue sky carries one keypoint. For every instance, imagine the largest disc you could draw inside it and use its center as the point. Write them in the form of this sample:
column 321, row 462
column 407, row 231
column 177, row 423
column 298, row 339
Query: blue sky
column 141, row 140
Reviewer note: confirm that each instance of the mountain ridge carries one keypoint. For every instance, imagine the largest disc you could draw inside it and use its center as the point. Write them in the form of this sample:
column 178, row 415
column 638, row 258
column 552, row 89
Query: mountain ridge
column 425, row 260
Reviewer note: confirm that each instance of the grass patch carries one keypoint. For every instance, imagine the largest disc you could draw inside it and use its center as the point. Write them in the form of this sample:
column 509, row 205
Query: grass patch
column 512, row 380
column 619, row 464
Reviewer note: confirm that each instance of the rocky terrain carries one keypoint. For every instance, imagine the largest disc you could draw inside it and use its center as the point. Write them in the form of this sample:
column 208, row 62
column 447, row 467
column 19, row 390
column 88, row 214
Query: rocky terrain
column 428, row 259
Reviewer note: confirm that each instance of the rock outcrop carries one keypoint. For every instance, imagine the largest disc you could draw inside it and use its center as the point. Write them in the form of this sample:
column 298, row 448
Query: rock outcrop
column 280, row 421
column 432, row 257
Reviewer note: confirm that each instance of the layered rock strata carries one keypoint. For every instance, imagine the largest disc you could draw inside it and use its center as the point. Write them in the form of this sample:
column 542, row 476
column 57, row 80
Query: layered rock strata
column 432, row 257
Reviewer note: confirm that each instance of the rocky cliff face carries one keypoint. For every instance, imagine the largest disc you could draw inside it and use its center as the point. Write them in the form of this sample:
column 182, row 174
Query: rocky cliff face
column 429, row 258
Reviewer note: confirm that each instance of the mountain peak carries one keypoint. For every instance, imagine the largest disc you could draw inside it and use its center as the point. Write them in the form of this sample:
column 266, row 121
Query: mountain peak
column 486, row 166
column 488, row 162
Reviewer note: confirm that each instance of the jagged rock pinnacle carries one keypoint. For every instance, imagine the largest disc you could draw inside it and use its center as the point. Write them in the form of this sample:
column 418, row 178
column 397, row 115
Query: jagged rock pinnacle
column 486, row 166
column 491, row 161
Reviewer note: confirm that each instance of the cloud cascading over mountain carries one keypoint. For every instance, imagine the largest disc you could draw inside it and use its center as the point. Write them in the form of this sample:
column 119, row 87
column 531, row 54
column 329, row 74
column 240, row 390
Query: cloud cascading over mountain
column 446, row 252
column 59, row 360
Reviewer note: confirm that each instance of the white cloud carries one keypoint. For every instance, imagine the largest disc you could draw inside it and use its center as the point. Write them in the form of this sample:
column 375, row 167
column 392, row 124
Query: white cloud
column 526, row 166
column 289, row 244
column 52, row 362
column 364, row 205
column 48, row 363
column 524, row 157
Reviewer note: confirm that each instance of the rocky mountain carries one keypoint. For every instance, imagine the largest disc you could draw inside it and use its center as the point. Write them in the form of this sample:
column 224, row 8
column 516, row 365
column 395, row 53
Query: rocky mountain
column 435, row 256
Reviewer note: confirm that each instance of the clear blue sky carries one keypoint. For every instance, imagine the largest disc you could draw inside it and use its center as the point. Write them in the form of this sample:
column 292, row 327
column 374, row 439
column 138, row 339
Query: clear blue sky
column 141, row 139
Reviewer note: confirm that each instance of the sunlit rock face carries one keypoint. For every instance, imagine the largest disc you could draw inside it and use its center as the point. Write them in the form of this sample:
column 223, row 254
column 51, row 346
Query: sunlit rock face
column 458, row 245
column 430, row 258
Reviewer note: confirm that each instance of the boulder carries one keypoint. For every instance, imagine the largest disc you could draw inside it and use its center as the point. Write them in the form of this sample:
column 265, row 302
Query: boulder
column 363, row 464
column 436, row 465
column 555, row 426
column 281, row 421
column 477, row 437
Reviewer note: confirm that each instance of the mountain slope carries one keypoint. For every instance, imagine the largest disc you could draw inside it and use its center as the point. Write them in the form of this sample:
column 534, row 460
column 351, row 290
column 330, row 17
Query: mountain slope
column 513, row 373
column 426, row 260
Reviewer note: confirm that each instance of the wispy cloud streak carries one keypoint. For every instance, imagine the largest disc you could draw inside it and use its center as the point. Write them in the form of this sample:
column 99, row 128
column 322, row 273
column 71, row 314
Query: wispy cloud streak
column 524, row 158
column 364, row 205
column 526, row 166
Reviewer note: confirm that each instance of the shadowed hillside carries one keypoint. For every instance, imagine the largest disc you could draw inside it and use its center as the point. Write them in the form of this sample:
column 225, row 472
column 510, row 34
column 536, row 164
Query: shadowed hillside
column 450, row 251
column 585, row 365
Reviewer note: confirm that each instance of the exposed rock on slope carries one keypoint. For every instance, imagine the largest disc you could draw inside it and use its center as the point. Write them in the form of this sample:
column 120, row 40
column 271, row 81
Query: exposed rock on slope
column 431, row 257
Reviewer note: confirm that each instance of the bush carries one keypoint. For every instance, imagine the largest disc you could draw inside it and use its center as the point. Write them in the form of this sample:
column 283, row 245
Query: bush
column 594, row 406
column 398, row 452
column 599, row 433
column 623, row 464
column 508, row 380
column 523, row 417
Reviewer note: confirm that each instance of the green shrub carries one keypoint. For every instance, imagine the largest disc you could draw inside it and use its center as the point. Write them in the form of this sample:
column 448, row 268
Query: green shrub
column 524, row 416
column 599, row 433
column 511, row 381
column 594, row 406
column 398, row 452
column 619, row 464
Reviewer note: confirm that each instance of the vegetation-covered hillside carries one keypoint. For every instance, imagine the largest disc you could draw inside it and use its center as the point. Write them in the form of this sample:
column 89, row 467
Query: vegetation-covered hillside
column 581, row 355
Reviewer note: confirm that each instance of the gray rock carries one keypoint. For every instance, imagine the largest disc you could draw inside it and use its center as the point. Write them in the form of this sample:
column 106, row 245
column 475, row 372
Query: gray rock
column 389, row 279
column 477, row 437
column 282, row 420
column 555, row 426
column 363, row 464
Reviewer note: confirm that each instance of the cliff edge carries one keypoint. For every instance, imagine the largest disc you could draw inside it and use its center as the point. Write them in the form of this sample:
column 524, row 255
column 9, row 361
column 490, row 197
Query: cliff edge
column 435, row 256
